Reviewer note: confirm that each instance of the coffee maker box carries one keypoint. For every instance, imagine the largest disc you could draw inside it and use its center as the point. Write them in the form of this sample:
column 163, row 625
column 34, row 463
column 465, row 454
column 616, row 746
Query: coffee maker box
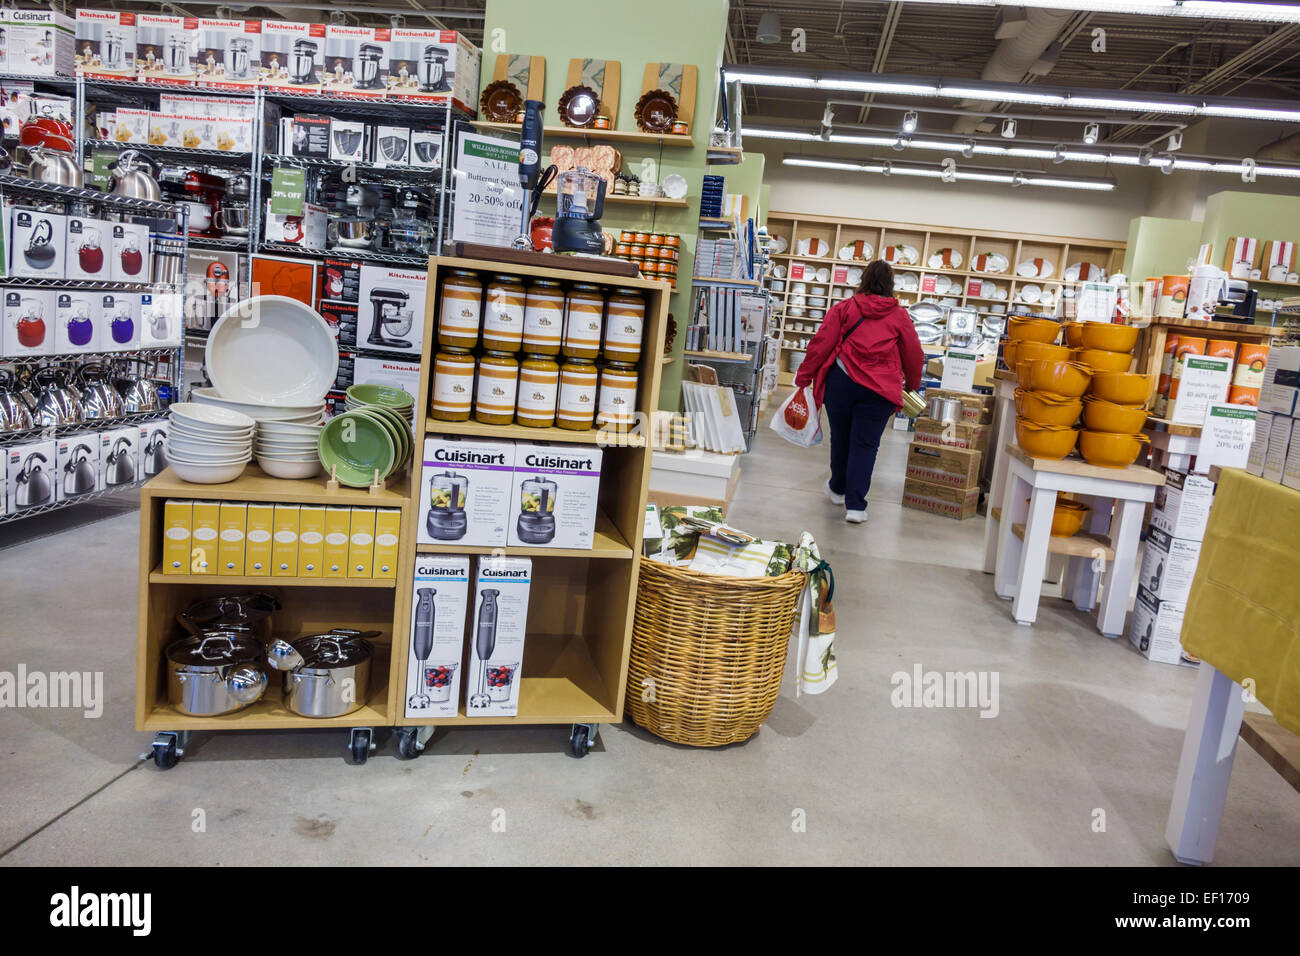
column 128, row 252
column 29, row 322
column 31, row 475
column 356, row 61
column 77, row 470
column 160, row 320
column 84, row 252
column 1182, row 507
column 481, row 475
column 496, row 642
column 119, row 451
column 391, row 309
column 37, row 243
column 1168, row 566
column 348, row 140
column 432, row 65
column 119, row 321
column 426, row 147
column 228, row 54
column 76, row 317
column 151, row 443
column 435, row 655
column 392, row 146
column 165, row 48
column 292, row 55
column 556, row 490
column 105, row 44
column 38, row 43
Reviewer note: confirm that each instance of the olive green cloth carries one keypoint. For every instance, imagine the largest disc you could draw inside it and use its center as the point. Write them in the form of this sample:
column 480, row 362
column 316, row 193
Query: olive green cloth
column 1243, row 615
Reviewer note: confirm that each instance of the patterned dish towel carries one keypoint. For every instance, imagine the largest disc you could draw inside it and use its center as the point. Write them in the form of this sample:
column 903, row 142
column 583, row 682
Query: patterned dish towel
column 815, row 621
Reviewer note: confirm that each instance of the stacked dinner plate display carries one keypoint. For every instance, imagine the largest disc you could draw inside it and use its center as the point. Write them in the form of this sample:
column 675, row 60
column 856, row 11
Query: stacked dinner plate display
column 365, row 445
column 359, row 396
column 206, row 444
column 288, row 449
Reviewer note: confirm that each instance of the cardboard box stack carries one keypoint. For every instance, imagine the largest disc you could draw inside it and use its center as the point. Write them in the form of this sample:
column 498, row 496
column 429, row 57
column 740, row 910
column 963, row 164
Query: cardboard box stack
column 943, row 461
column 1275, row 452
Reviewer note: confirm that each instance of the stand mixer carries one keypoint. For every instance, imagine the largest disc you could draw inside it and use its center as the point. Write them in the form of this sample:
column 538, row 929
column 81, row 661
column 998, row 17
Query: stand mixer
column 392, row 319
column 485, row 642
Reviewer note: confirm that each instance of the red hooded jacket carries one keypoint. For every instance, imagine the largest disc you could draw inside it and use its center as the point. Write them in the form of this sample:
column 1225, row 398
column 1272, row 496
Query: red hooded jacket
column 883, row 353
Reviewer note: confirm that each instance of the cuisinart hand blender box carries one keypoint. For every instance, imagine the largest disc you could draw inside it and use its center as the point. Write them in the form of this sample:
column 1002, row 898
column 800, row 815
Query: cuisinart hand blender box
column 557, row 488
column 439, row 601
column 496, row 643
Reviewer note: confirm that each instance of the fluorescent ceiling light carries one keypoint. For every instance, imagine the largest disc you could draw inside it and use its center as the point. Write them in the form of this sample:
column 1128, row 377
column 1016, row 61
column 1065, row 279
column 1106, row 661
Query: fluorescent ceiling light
column 1193, row 9
column 1132, row 106
column 1008, row 96
column 1252, row 112
column 770, row 79
column 935, row 172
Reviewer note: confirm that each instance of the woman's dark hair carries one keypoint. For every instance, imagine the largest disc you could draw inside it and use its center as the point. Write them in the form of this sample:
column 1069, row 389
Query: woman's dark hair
column 878, row 279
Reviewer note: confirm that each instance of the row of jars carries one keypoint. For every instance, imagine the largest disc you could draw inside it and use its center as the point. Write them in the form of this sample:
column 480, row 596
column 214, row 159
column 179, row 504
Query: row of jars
column 538, row 391
column 541, row 320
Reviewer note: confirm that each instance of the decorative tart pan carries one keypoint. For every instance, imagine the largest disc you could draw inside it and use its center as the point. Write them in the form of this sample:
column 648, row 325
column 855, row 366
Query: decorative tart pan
column 578, row 107
column 500, row 102
column 656, row 111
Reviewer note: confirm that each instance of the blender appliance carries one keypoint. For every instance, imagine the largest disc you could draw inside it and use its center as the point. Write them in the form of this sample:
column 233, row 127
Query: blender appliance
column 422, row 647
column 392, row 319
column 485, row 642
column 447, row 494
column 536, row 510
column 579, row 203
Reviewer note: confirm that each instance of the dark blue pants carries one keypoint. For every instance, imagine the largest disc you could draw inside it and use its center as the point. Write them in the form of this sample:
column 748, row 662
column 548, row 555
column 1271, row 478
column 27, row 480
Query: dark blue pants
column 857, row 417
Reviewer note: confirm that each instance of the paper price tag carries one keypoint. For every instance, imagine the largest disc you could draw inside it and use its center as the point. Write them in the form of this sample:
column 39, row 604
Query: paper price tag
column 797, row 272
column 1204, row 382
column 958, row 371
column 841, row 275
column 288, row 186
column 927, row 283
column 974, row 287
column 1226, row 436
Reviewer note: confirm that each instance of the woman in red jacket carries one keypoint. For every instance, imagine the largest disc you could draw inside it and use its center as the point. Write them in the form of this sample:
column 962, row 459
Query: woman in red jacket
column 858, row 363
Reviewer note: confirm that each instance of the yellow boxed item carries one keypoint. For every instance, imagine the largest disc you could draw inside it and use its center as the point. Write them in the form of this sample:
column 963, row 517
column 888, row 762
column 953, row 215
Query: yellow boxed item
column 940, row 499
column 311, row 540
column 938, row 465
column 388, row 525
column 976, row 409
column 177, row 518
column 205, row 532
column 338, row 524
column 233, row 527
column 284, row 547
column 953, row 435
column 257, row 541
column 361, row 543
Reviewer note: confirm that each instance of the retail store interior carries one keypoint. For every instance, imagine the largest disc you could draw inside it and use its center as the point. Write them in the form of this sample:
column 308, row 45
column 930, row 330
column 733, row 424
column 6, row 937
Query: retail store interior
column 420, row 434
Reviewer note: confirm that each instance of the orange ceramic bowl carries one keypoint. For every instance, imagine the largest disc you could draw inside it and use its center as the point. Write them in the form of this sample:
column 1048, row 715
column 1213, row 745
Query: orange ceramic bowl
column 1045, row 441
column 1032, row 330
column 1045, row 408
column 1041, row 352
column 1010, row 354
column 1099, row 360
column 1068, row 517
column 1110, row 449
column 1108, row 336
column 1067, row 379
column 1074, row 334
column 1103, row 416
column 1122, row 388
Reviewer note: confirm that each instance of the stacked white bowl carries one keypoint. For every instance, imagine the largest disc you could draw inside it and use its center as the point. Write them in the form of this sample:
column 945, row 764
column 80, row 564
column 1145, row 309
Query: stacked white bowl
column 288, row 449
column 206, row 444
column 312, row 414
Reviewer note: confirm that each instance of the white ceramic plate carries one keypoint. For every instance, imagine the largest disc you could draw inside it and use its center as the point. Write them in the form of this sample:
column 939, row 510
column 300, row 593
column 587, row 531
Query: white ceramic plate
column 1095, row 272
column 993, row 263
column 207, row 474
column 295, row 429
column 778, row 271
column 795, row 310
column 1035, row 269
column 925, row 312
column 205, row 456
column 210, row 432
column 779, row 245
column 823, row 275
column 1030, row 293
column 855, row 276
column 936, row 260
column 818, row 301
column 942, row 285
column 907, row 282
column 216, row 418
column 999, row 293
column 209, row 396
column 674, row 186
column 272, row 350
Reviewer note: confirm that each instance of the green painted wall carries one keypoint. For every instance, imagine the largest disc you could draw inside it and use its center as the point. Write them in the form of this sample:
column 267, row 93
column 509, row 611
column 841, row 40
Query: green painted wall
column 664, row 31
column 1261, row 217
column 746, row 179
column 1158, row 247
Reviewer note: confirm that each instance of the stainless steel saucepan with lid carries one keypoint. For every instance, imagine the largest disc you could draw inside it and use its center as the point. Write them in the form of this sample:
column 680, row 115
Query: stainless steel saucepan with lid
column 326, row 675
column 215, row 673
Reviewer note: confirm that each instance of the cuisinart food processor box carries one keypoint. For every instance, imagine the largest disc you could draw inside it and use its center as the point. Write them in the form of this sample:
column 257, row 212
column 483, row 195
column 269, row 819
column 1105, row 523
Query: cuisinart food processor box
column 37, row 42
column 229, row 53
column 440, row 598
column 390, row 314
column 428, row 65
column 292, row 54
column 164, row 48
column 356, row 61
column 557, row 487
column 496, row 643
column 105, row 45
column 465, row 491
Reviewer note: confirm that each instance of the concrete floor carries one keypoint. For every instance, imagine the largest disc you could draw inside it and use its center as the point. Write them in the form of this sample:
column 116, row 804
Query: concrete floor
column 1084, row 723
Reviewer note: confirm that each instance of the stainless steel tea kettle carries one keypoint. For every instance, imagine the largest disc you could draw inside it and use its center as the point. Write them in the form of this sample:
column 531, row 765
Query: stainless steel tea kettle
column 53, row 166
column 79, row 473
column 32, row 486
column 15, row 412
column 119, row 466
column 130, row 177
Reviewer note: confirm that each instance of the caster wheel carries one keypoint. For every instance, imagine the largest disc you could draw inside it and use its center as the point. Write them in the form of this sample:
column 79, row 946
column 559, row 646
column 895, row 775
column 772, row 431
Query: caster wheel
column 359, row 746
column 579, row 742
column 164, row 754
column 406, row 748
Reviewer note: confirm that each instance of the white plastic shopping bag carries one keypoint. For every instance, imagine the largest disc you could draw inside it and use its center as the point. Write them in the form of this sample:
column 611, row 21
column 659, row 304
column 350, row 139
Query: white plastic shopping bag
column 797, row 420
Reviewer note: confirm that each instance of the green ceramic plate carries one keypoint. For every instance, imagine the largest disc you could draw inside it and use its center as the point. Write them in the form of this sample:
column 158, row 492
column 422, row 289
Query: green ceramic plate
column 356, row 445
column 381, row 395
column 403, row 429
column 394, row 433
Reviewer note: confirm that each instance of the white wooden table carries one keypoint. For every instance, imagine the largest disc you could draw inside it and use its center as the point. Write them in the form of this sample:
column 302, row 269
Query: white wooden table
column 1004, row 433
column 1174, row 445
column 1118, row 498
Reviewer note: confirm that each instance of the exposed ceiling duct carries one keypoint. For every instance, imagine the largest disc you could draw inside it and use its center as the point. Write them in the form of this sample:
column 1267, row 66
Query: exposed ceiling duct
column 1026, row 37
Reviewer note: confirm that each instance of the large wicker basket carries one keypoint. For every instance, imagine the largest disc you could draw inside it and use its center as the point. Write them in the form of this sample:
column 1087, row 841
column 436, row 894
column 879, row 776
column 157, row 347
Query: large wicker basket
column 708, row 652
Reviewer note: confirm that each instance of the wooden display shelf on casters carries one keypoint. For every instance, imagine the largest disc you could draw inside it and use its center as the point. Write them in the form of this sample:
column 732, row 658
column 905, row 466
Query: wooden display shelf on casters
column 156, row 576
column 590, row 436
column 607, row 542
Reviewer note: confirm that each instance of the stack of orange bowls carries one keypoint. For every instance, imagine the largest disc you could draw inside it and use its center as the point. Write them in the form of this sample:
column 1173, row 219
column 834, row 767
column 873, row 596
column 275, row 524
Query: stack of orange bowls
column 1048, row 400
column 1115, row 406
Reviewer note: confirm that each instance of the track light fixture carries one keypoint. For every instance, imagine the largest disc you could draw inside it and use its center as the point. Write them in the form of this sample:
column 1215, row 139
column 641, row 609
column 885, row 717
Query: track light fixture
column 1167, row 160
column 1008, row 129
column 1174, row 141
column 828, row 121
column 909, row 121
column 1144, row 156
column 968, row 148
column 1017, row 179
column 900, row 144
column 1091, row 133
column 887, row 168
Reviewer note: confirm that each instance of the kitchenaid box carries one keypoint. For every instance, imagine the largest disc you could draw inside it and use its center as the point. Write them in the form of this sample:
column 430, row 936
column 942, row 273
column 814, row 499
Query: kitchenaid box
column 165, row 48
column 430, row 65
column 391, row 309
column 426, row 147
column 31, row 475
column 37, row 243
column 292, row 54
column 228, row 55
column 347, row 140
column 28, row 322
column 392, row 146
column 356, row 61
column 38, row 42
column 105, row 44
column 496, row 641
column 77, row 463
column 466, row 492
column 556, row 488
column 76, row 316
column 439, row 600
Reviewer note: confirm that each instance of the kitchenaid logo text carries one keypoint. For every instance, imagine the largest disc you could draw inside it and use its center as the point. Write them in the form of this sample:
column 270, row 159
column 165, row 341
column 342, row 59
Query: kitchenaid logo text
column 923, row 688
column 553, row 461
column 478, row 457
column 71, row 689
column 75, row 909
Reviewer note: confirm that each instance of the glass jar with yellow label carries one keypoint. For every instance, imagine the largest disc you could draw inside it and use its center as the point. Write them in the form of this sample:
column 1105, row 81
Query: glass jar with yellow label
column 617, row 405
column 539, row 390
column 503, row 314
column 576, row 407
column 585, row 307
column 543, row 318
column 453, row 385
column 459, row 309
column 623, row 324
column 498, row 379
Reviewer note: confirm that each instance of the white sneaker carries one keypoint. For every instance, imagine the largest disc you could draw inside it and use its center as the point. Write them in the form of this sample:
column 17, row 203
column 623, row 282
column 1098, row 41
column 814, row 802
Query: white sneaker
column 835, row 499
column 856, row 517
